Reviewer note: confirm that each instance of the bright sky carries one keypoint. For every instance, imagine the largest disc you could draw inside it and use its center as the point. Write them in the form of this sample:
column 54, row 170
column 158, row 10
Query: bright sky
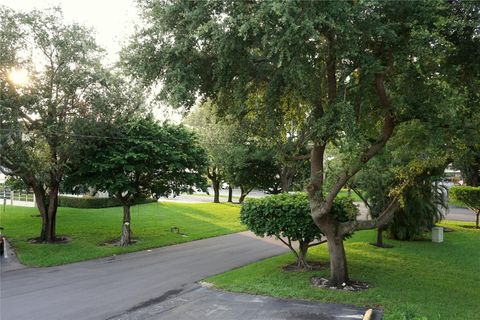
column 113, row 22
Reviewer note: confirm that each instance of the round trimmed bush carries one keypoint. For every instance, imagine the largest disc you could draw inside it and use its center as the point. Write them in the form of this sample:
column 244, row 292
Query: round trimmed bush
column 287, row 217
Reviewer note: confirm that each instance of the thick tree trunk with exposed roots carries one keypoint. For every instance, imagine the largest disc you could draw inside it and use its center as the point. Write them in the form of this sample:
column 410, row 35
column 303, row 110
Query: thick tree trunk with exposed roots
column 125, row 240
column 302, row 256
column 47, row 205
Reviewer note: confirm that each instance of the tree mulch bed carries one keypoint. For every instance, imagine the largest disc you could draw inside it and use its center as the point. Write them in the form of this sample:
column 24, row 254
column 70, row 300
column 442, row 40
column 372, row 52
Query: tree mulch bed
column 58, row 240
column 313, row 266
column 352, row 285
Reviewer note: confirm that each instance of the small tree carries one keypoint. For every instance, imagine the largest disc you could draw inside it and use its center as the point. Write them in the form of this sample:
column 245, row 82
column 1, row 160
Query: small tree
column 470, row 196
column 249, row 167
column 287, row 217
column 139, row 158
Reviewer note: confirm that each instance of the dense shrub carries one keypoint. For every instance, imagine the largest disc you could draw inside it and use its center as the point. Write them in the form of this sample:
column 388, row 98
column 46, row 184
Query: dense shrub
column 470, row 196
column 422, row 209
column 92, row 203
column 287, row 217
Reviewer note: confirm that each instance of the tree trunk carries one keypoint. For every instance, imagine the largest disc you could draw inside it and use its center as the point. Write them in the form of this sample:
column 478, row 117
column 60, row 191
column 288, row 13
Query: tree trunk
column 126, row 231
column 302, row 255
column 478, row 218
column 230, row 194
column 338, row 261
column 47, row 206
column 41, row 203
column 286, row 182
column 380, row 237
column 50, row 231
column 243, row 193
column 216, row 191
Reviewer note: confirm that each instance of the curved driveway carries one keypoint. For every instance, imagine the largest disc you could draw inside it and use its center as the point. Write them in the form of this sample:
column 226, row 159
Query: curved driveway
column 103, row 288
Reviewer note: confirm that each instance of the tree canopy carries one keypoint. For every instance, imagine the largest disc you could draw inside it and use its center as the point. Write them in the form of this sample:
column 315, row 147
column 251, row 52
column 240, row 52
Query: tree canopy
column 356, row 70
column 61, row 71
column 138, row 158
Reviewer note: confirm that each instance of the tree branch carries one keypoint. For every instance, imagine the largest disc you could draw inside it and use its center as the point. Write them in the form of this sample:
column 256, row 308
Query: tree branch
column 387, row 132
column 383, row 219
column 288, row 244
column 317, row 243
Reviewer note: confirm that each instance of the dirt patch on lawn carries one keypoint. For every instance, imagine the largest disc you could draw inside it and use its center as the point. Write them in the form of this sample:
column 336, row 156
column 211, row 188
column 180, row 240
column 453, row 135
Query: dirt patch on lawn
column 352, row 285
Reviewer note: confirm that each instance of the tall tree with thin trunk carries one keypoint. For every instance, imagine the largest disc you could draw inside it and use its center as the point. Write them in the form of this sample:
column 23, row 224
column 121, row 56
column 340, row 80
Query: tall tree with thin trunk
column 357, row 69
column 216, row 137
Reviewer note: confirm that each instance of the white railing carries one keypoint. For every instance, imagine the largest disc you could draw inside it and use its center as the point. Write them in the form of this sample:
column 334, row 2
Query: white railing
column 16, row 198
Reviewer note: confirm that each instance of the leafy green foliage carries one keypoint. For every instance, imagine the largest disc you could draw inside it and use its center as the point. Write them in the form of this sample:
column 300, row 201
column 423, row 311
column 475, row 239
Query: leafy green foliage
column 283, row 215
column 422, row 209
column 470, row 196
column 64, row 69
column 138, row 158
column 353, row 70
column 288, row 215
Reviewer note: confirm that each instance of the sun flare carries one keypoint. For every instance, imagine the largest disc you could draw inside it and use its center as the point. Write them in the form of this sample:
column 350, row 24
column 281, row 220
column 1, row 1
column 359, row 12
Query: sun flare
column 19, row 76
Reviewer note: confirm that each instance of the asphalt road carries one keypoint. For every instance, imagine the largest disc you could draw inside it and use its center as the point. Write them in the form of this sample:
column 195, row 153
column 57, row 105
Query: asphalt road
column 200, row 303
column 105, row 288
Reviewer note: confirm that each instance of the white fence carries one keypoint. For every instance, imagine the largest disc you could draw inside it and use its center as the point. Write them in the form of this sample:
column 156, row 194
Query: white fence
column 16, row 198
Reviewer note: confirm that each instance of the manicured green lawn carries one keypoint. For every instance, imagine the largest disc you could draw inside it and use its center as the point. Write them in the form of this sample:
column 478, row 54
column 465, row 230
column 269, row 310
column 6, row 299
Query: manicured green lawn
column 414, row 280
column 89, row 229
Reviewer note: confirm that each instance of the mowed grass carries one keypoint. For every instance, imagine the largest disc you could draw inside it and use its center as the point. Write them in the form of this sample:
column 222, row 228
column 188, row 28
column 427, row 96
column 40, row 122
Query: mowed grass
column 90, row 229
column 414, row 280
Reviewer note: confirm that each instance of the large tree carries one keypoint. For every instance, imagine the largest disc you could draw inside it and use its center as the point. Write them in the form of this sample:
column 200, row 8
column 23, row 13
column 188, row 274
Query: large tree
column 463, row 69
column 357, row 69
column 37, row 110
column 136, row 158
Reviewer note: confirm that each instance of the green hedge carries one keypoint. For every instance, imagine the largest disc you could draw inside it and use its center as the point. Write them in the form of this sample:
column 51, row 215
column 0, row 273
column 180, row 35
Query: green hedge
column 92, row 203
column 470, row 196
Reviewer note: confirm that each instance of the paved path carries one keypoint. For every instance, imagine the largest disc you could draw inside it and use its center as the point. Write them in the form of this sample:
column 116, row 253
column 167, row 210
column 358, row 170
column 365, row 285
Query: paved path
column 199, row 303
column 99, row 289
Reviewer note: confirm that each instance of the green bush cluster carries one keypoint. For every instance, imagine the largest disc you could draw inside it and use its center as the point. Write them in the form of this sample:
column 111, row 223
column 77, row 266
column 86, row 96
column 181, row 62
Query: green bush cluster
column 282, row 215
column 470, row 196
column 92, row 203
column 288, row 216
